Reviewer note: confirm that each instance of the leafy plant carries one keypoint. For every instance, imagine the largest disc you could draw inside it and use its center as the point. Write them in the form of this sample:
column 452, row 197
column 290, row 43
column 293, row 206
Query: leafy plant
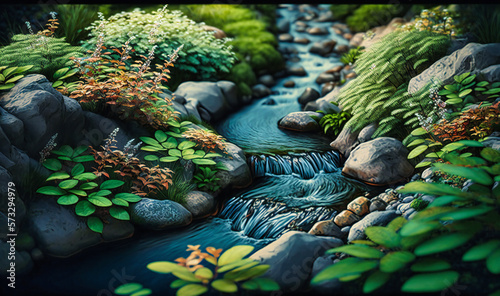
column 60, row 83
column 206, row 178
column 372, row 15
column 196, row 279
column 180, row 187
column 10, row 75
column 459, row 221
column 438, row 20
column 74, row 19
column 342, row 11
column 419, row 204
column 207, row 140
column 350, row 57
column 333, row 122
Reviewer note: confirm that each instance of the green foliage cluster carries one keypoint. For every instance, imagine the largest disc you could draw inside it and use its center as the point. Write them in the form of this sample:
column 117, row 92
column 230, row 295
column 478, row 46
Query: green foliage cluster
column 333, row 122
column 419, row 204
column 379, row 93
column 350, row 57
column 46, row 54
column 203, row 57
column 342, row 11
column 74, row 19
column 372, row 15
column 179, row 188
column 196, row 279
column 205, row 178
column 483, row 21
column 423, row 251
column 10, row 75
column 438, row 19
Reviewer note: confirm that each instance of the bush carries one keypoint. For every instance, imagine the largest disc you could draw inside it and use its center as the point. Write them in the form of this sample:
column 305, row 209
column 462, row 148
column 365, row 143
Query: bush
column 342, row 11
column 372, row 15
column 203, row 57
column 483, row 21
column 74, row 19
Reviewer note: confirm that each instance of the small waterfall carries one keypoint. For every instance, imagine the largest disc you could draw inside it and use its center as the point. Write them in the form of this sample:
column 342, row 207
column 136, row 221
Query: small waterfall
column 305, row 165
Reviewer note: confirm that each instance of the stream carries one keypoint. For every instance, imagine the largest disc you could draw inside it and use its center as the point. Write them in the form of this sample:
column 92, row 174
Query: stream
column 290, row 192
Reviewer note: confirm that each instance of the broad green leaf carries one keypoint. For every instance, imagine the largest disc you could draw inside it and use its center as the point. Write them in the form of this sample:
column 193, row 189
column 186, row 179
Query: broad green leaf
column 111, row 184
column 200, row 153
column 346, row 267
column 51, row 190
column 151, row 157
column 149, row 141
column 68, row 184
column 65, row 150
column 375, row 281
column 397, row 223
column 187, row 152
column 119, row 213
column 225, row 286
column 9, row 71
column 241, row 275
column 178, row 283
column 142, row 292
column 361, row 251
column 465, row 213
column 186, row 145
column 79, row 150
column 95, row 224
column 493, row 262
column 7, row 86
column 78, row 192
column 57, row 83
column 58, row 176
column 66, row 200
column 120, row 202
column 127, row 289
column 490, row 154
column 453, row 146
column 262, row 284
column 84, row 208
column 444, row 200
column 395, row 261
column 430, row 188
column 173, row 123
column 104, row 192
column 423, row 164
column 77, row 169
column 235, row 264
column 169, row 159
column 83, row 158
column 483, row 83
column 203, row 161
column 52, row 164
column 430, row 265
column 471, row 143
column 204, row 273
column 170, row 143
column 192, row 290
column 363, row 242
column 152, row 148
column 481, row 251
column 383, row 236
column 430, row 282
column 186, row 275
column 419, row 132
column 85, row 177
column 165, row 267
column 464, row 92
column 60, row 73
column 234, row 254
column 160, row 136
column 212, row 155
column 23, row 69
column 191, row 156
column 492, row 91
column 128, row 197
column 417, row 151
column 416, row 227
column 443, row 243
column 100, row 201
column 175, row 153
column 416, row 142
column 477, row 175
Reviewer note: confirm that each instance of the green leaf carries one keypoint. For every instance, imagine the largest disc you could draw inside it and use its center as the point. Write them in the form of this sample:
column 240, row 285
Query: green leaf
column 95, row 224
column 212, row 155
column 65, row 150
column 152, row 148
column 397, row 223
column 68, row 184
column 51, row 190
column 120, row 202
column 443, row 243
column 84, row 208
column 375, row 281
column 23, row 69
column 58, row 176
column 169, row 159
column 477, row 175
column 490, row 154
column 444, row 200
column 111, row 184
column 52, row 164
column 78, row 192
column 417, row 151
column 262, row 284
column 493, row 262
column 346, row 267
column 204, row 273
column 416, row 227
column 452, row 146
column 191, row 156
column 430, row 282
column 361, row 251
column 471, row 143
column 103, row 192
column 85, row 177
column 178, row 283
column 483, row 83
column 151, row 157
column 468, row 80
column 186, row 275
column 170, row 143
column 383, row 236
column 234, row 254
column 187, row 152
column 9, row 71
column 160, row 136
column 100, row 201
column 77, row 169
column 492, row 91
column 465, row 213
column 241, row 275
column 464, row 92
column 419, row 132
column 192, row 290
column 60, row 73
column 453, row 101
column 127, row 289
column 83, row 158
column 430, row 264
column 416, row 142
column 430, row 188
column 423, row 164
column 186, row 145
column 128, row 197
column 203, row 161
column 481, row 251
column 175, row 153
column 57, row 83
column 143, row 292
column 79, row 150
column 119, row 213
column 149, row 141
column 7, row 86
column 225, row 286
column 235, row 264
column 66, row 200
column 395, row 261
column 165, row 267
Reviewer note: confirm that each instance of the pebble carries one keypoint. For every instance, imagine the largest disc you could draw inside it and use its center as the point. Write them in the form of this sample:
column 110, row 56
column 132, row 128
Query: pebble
column 428, row 198
column 289, row 83
column 427, row 173
column 408, row 199
column 345, row 230
column 415, row 178
column 408, row 213
column 377, row 205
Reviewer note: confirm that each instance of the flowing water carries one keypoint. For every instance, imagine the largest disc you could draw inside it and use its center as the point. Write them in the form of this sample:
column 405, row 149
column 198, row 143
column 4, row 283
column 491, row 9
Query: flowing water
column 290, row 191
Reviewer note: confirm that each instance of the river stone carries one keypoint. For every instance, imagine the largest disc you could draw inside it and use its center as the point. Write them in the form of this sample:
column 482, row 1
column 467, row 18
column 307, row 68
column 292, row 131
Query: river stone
column 472, row 58
column 302, row 40
column 317, row 31
column 345, row 141
column 283, row 26
column 325, row 17
column 491, row 73
column 269, row 102
column 367, row 132
column 285, row 37
column 341, row 48
column 327, row 228
column 57, row 230
column 329, row 287
column 289, row 83
column 377, row 205
column 372, row 219
column 346, row 218
column 200, row 204
column 159, row 214
column 218, row 33
column 300, row 122
column 260, row 91
column 323, row 47
column 296, row 71
column 379, row 161
column 357, row 39
column 359, row 206
column 325, row 103
column 238, row 173
column 492, row 142
column 327, row 77
column 309, row 95
column 13, row 128
column 230, row 92
column 291, row 258
column 347, row 36
column 267, row 80
column 116, row 230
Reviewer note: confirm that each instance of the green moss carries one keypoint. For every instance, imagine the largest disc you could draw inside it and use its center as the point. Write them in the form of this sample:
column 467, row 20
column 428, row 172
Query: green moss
column 342, row 11
column 244, row 89
column 372, row 15
column 242, row 72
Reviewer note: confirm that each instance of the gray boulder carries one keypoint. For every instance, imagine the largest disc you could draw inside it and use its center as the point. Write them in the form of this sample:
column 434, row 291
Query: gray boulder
column 13, row 128
column 474, row 57
column 238, row 173
column 200, row 204
column 291, row 258
column 379, row 161
column 367, row 132
column 230, row 92
column 296, row 71
column 192, row 108
column 491, row 73
column 346, row 141
column 309, row 95
column 300, row 122
column 373, row 219
column 159, row 214
column 323, row 47
column 260, row 91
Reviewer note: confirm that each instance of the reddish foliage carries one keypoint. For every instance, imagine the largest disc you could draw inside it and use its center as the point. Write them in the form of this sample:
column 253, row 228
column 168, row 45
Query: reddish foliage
column 206, row 140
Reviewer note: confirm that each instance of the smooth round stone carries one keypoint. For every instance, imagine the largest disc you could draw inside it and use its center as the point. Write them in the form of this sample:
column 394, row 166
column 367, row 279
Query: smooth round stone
column 408, row 199
column 428, row 198
column 427, row 173
column 408, row 213
column 289, row 83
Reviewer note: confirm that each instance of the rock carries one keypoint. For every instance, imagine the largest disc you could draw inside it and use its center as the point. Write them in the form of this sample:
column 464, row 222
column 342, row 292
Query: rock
column 351, row 75
column 302, row 40
column 117, row 230
column 260, row 91
column 491, row 73
column 379, row 161
column 218, row 33
column 472, row 58
column 317, row 31
column 341, row 48
column 327, row 77
column 408, row 213
column 492, row 142
column 238, row 173
column 337, row 31
column 230, row 92
column 408, row 199
column 428, row 198
column 192, row 108
column 427, row 173
column 345, row 230
column 208, row 94
column 359, row 206
column 327, row 88
column 326, row 287
column 372, row 219
column 356, row 40
column 283, row 26
column 57, row 230
column 267, row 80
column 296, row 71
column 269, row 102
column 159, row 214
column 200, row 204
column 403, row 207
column 328, row 228
column 301, row 24
column 389, row 196
column 291, row 258
column 285, row 37
column 323, row 48
column 289, row 83
column 346, row 218
column 345, row 141
column 13, row 128
column 367, row 132
column 335, row 69
column 377, row 205
column 347, row 36
column 37, row 254
column 341, row 26
column 325, row 17
column 180, row 108
column 300, row 122
column 309, row 95
column 325, row 102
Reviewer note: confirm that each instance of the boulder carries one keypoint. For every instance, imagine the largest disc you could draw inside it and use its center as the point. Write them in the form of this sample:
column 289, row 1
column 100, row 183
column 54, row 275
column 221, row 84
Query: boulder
column 346, row 218
column 13, row 128
column 335, row 69
column 296, row 71
column 283, row 25
column 372, row 219
column 159, row 214
column 260, row 91
column 379, row 161
column 327, row 77
column 472, row 58
column 347, row 36
column 291, row 258
column 357, row 39
column 341, row 48
column 377, row 205
column 117, row 230
column 491, row 73
column 192, row 108
column 345, row 142
column 327, row 228
column 367, row 132
column 359, row 206
column 300, row 122
column 289, row 83
column 267, row 80
column 200, row 204
column 302, row 40
column 323, row 47
column 329, row 287
column 180, row 108
column 230, row 92
column 325, row 103
column 238, row 173
column 492, row 142
column 218, row 33
column 309, row 95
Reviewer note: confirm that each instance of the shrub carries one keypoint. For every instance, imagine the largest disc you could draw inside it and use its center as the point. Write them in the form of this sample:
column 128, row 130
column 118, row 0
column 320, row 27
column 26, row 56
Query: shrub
column 483, row 21
column 243, row 73
column 438, row 20
column 203, row 57
column 218, row 15
column 379, row 93
column 74, row 19
column 10, row 75
column 179, row 188
column 350, row 57
column 372, row 15
column 342, row 11
column 334, row 122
